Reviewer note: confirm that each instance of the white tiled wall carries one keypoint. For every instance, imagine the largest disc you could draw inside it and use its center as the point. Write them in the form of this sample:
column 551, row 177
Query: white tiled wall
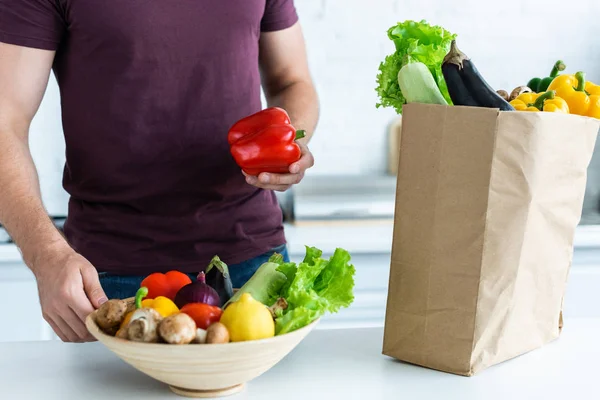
column 510, row 41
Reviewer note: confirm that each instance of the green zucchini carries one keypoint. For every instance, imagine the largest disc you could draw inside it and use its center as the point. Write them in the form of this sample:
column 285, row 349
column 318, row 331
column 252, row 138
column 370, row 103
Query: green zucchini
column 418, row 86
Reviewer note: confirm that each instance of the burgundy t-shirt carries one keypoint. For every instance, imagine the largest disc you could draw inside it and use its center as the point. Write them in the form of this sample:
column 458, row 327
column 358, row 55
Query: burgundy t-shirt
column 149, row 89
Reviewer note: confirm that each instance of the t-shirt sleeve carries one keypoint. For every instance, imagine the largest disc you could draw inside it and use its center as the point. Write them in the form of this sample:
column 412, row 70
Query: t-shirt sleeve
column 32, row 23
column 279, row 14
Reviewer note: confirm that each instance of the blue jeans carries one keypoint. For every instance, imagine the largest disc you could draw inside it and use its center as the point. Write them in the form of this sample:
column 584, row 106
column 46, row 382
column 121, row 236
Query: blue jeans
column 124, row 286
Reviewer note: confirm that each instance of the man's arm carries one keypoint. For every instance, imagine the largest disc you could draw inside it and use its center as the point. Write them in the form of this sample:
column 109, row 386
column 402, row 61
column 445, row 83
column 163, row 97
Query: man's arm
column 286, row 77
column 23, row 79
column 288, row 84
column 68, row 285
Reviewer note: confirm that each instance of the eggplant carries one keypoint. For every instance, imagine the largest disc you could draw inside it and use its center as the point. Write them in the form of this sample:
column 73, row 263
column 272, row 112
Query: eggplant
column 468, row 83
column 217, row 277
column 485, row 95
column 457, row 90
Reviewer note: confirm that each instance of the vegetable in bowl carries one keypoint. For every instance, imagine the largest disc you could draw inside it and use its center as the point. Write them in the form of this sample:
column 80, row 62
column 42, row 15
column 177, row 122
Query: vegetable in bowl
column 307, row 290
column 281, row 297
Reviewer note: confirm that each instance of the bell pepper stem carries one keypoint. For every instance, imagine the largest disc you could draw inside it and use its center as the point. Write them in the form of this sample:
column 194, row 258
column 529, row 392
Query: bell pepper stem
column 581, row 79
column 539, row 102
column 300, row 134
column 141, row 293
column 558, row 67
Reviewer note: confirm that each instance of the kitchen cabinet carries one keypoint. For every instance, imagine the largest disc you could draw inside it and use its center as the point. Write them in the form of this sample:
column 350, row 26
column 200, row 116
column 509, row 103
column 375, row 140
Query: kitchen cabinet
column 18, row 294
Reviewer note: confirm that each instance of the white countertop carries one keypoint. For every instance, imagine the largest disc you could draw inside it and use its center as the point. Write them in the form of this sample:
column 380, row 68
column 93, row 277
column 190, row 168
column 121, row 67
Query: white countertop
column 328, row 364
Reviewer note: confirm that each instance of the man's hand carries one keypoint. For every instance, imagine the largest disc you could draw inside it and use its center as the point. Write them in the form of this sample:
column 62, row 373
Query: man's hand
column 282, row 182
column 69, row 290
column 68, row 284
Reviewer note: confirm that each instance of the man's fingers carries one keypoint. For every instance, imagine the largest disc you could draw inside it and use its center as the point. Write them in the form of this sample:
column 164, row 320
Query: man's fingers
column 282, row 182
column 71, row 318
column 65, row 329
column 81, row 305
column 78, row 325
column 80, row 309
column 279, row 179
column 56, row 329
column 267, row 186
column 93, row 289
column 305, row 162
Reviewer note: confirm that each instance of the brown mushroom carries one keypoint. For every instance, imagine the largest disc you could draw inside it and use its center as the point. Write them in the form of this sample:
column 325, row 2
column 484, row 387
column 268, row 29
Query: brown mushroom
column 178, row 328
column 110, row 315
column 143, row 326
column 217, row 333
column 503, row 94
column 519, row 91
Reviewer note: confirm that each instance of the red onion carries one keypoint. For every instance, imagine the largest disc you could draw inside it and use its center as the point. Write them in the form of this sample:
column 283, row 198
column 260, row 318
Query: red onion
column 197, row 292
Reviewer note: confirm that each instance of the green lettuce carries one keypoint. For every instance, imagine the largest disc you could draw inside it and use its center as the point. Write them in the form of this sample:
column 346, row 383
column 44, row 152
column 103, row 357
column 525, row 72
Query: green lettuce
column 314, row 287
column 414, row 41
column 295, row 319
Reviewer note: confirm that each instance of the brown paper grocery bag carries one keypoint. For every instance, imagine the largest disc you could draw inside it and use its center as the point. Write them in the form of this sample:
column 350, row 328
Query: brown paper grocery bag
column 486, row 209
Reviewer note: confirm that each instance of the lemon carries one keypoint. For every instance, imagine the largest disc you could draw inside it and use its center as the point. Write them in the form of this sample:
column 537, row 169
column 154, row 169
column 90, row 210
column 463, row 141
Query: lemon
column 248, row 319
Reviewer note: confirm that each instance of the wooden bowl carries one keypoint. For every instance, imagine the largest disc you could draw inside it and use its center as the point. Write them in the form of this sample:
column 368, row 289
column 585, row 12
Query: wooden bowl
column 202, row 370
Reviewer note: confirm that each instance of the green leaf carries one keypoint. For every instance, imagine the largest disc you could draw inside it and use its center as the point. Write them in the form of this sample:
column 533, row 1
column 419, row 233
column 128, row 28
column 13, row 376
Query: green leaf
column 336, row 282
column 388, row 89
column 312, row 254
column 314, row 287
column 289, row 270
column 300, row 292
column 295, row 319
column 413, row 41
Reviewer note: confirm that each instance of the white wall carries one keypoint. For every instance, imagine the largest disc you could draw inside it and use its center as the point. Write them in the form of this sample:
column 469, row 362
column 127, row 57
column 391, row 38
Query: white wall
column 48, row 150
column 510, row 41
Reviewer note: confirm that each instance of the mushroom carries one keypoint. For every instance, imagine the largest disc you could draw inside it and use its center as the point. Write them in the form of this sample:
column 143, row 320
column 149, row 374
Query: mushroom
column 503, row 94
column 519, row 90
column 177, row 328
column 217, row 333
column 143, row 326
column 110, row 315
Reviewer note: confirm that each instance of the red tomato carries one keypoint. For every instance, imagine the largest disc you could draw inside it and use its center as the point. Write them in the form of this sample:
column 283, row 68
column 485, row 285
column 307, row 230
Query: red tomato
column 166, row 285
column 203, row 314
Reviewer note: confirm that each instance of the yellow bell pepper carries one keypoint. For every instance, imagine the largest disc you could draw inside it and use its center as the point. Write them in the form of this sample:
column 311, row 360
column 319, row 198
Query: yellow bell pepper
column 583, row 97
column 592, row 88
column 547, row 101
column 163, row 305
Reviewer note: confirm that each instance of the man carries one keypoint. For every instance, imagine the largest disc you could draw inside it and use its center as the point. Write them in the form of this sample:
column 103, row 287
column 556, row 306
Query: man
column 148, row 92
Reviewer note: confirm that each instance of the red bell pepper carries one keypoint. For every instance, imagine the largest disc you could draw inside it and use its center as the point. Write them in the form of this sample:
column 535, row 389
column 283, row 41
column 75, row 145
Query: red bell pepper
column 265, row 142
column 166, row 285
column 203, row 314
